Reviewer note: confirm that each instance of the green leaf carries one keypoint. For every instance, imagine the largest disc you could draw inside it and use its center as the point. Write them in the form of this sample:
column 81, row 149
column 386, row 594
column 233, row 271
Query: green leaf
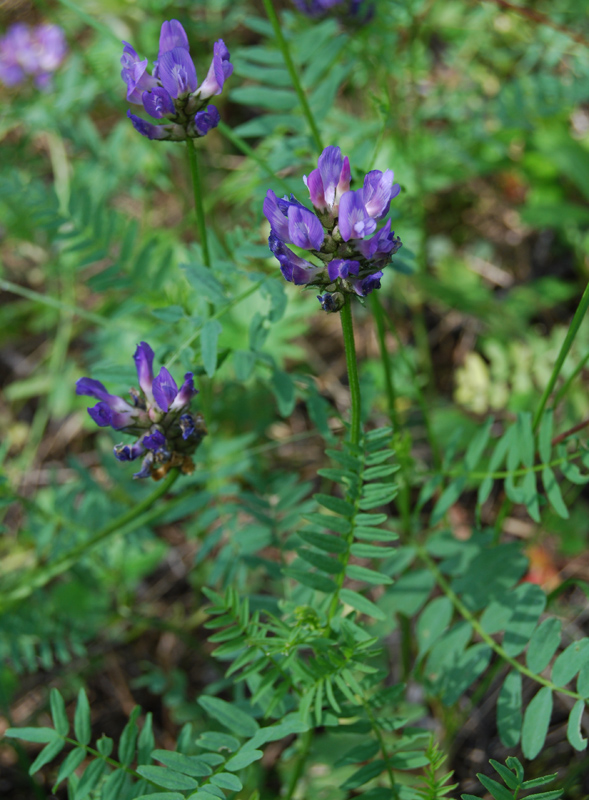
column 570, row 662
column 373, row 473
column 545, row 436
column 321, row 583
column 114, row 786
column 432, row 623
column 58, row 713
column 543, row 644
column 529, row 602
column 167, row 778
column 332, row 523
column 146, row 741
column 509, row 709
column 495, row 789
column 204, row 283
column 89, row 780
column 209, row 338
column 583, row 681
column 128, row 739
column 508, row 777
column 536, row 722
column 224, row 780
column 105, row 746
column 469, row 665
column 47, row 754
column 82, row 727
column 477, row 445
column 358, row 573
column 335, row 504
column 40, row 735
column 231, row 717
column 322, row 562
column 284, row 391
column 366, row 773
column 187, row 765
column 574, row 726
column 448, row 497
column 370, row 519
column 323, row 541
column 162, row 796
column 553, row 493
column 361, row 550
column 211, row 740
column 516, row 765
column 243, row 759
column 375, row 535
column 359, row 753
column 71, row 762
column 243, row 363
column 264, row 97
column 361, row 603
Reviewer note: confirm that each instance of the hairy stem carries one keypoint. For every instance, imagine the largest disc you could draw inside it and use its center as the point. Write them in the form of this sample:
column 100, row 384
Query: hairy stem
column 294, row 75
column 564, row 350
column 198, row 204
column 352, row 364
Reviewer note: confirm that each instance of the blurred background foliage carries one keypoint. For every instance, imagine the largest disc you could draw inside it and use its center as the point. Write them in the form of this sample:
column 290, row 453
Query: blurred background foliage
column 482, row 112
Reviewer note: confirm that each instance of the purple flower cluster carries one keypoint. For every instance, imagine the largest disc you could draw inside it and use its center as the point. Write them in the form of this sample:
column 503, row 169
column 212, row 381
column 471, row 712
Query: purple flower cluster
column 159, row 416
column 346, row 261
column 172, row 92
column 37, row 52
column 358, row 10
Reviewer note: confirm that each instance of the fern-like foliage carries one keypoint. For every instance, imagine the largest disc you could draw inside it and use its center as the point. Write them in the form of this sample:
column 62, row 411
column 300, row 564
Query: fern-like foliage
column 512, row 774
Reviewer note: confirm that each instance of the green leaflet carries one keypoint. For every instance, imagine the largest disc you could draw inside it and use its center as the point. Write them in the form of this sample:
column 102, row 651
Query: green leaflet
column 536, row 722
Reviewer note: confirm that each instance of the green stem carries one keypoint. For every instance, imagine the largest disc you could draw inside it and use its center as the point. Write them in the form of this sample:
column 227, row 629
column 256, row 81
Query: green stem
column 378, row 733
column 564, row 350
column 566, row 385
column 130, row 520
column 477, row 627
column 386, row 363
column 251, row 153
column 198, row 204
column 352, row 364
column 294, row 75
column 306, row 739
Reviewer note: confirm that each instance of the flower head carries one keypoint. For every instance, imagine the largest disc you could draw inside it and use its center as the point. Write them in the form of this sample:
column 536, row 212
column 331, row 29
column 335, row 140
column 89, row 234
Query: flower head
column 35, row 51
column 166, row 431
column 172, row 92
column 341, row 236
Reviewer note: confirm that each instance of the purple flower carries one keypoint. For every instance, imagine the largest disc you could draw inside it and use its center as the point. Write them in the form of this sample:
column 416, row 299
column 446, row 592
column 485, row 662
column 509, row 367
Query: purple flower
column 221, row 68
column 356, row 10
column 378, row 192
column 340, row 268
column 354, row 221
column 35, row 51
column 331, row 302
column 366, row 285
column 155, row 441
column 128, row 452
column 304, row 229
column 330, row 180
column 158, row 103
column 294, row 268
column 177, row 72
column 135, row 75
column 205, row 120
column 148, row 128
column 172, row 90
column 336, row 233
column 159, row 417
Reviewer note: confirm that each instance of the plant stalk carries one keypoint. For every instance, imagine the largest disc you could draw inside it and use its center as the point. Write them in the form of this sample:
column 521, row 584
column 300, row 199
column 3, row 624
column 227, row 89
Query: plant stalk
column 564, row 351
column 198, row 204
column 294, row 76
column 352, row 365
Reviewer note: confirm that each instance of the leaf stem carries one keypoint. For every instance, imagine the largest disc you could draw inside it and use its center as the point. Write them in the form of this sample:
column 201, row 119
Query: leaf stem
column 198, row 204
column 564, row 350
column 477, row 627
column 294, row 76
column 352, row 365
